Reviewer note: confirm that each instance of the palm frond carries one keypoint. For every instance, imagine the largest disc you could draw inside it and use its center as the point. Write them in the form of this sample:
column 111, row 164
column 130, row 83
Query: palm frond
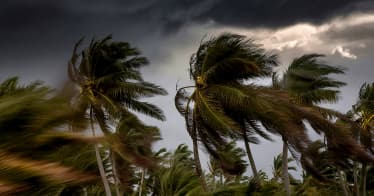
column 229, row 52
column 145, row 108
column 214, row 114
column 307, row 79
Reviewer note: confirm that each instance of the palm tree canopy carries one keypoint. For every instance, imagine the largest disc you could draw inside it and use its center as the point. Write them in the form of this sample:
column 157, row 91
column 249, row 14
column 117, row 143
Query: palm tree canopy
column 109, row 77
column 229, row 58
column 176, row 174
column 307, row 79
column 365, row 103
column 364, row 111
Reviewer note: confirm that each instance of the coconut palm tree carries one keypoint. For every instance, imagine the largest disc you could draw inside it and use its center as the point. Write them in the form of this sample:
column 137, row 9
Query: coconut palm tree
column 133, row 146
column 363, row 112
column 221, row 100
column 225, row 179
column 175, row 175
column 219, row 66
column 31, row 128
column 307, row 81
column 107, row 74
column 278, row 166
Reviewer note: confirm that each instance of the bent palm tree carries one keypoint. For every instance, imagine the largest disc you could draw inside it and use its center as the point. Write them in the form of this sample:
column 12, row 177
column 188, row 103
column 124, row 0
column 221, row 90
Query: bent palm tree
column 110, row 83
column 307, row 81
column 218, row 69
column 364, row 111
column 221, row 102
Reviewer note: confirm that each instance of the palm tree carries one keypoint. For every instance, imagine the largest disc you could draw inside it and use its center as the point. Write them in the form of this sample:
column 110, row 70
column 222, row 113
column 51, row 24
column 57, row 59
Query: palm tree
column 218, row 68
column 235, row 155
column 222, row 101
column 278, row 166
column 307, row 81
column 110, row 83
column 176, row 175
column 32, row 118
column 332, row 169
column 363, row 111
column 133, row 146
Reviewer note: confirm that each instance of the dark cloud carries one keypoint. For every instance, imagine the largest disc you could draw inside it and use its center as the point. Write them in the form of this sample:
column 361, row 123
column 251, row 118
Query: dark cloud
column 269, row 13
column 61, row 22
column 355, row 32
column 171, row 14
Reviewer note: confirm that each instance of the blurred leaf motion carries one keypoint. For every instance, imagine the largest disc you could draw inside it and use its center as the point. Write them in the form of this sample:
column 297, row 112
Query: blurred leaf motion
column 31, row 127
column 49, row 144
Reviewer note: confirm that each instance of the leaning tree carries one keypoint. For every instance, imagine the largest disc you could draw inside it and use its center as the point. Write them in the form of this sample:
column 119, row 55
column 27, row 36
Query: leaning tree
column 108, row 76
column 222, row 102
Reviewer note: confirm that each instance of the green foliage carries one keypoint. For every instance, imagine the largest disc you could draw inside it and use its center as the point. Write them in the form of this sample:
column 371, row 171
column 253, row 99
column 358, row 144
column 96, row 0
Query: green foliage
column 308, row 80
column 107, row 74
column 277, row 167
column 34, row 116
column 218, row 68
column 176, row 175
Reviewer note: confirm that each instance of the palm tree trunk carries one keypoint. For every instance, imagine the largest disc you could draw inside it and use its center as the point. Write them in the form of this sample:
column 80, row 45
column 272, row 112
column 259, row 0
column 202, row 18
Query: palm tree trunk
column 100, row 161
column 141, row 183
column 286, row 179
column 221, row 179
column 342, row 183
column 199, row 170
column 355, row 178
column 102, row 172
column 85, row 191
column 250, row 156
column 115, row 176
column 363, row 179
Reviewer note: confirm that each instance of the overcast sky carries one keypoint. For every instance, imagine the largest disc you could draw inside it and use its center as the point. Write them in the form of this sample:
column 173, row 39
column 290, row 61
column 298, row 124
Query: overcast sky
column 37, row 37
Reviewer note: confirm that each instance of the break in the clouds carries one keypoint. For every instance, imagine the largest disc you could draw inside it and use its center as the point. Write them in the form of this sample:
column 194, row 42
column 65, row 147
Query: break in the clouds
column 341, row 36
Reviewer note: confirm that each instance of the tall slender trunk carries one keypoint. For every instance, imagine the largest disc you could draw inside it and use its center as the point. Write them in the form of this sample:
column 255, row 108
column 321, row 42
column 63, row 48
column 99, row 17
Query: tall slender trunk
column 355, row 178
column 363, row 179
column 285, row 177
column 342, row 183
column 250, row 156
column 115, row 176
column 221, row 178
column 100, row 161
column 141, row 182
column 199, row 170
column 85, row 191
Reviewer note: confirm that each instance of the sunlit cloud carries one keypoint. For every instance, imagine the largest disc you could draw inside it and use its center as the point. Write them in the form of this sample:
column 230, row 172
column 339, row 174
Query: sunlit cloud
column 334, row 37
column 343, row 52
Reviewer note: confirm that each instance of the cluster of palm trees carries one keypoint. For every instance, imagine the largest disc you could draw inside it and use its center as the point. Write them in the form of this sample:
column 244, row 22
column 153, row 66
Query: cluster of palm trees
column 86, row 139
